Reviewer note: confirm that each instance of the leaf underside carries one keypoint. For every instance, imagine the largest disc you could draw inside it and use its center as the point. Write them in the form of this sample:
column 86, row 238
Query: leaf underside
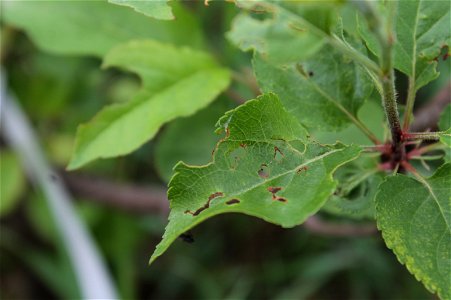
column 415, row 220
column 265, row 167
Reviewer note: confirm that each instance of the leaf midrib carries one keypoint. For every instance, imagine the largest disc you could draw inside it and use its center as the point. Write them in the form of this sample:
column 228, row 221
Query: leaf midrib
column 275, row 177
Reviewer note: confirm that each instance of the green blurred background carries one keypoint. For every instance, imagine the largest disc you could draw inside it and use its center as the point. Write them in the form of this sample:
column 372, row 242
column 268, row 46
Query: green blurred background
column 233, row 256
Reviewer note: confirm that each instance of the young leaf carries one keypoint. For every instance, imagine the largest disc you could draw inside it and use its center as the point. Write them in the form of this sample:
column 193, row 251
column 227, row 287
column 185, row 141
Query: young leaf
column 94, row 27
column 155, row 9
column 324, row 93
column 176, row 82
column 415, row 220
column 422, row 29
column 264, row 167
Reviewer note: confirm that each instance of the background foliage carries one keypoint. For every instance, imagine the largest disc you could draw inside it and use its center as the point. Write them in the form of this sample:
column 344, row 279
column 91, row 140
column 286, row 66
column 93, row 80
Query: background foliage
column 62, row 81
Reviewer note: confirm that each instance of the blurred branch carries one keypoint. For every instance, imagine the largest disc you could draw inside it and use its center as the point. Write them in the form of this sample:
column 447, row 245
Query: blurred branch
column 427, row 116
column 133, row 198
column 315, row 225
column 235, row 96
column 247, row 78
column 152, row 199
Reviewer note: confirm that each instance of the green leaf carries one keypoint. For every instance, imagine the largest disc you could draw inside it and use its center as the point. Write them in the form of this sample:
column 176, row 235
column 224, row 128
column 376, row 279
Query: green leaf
column 358, row 183
column 176, row 82
column 284, row 37
column 324, row 93
column 422, row 29
column 415, row 220
column 156, row 9
column 264, row 167
column 94, row 27
column 445, row 137
column 373, row 115
column 12, row 181
column 174, row 144
column 445, row 118
column 445, row 125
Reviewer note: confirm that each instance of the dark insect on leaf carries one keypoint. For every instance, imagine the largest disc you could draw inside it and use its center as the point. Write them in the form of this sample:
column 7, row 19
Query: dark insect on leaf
column 187, row 237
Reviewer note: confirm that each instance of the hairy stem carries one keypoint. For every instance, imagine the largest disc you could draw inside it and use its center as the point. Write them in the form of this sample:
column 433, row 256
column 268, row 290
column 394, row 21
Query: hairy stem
column 428, row 136
column 409, row 104
column 384, row 35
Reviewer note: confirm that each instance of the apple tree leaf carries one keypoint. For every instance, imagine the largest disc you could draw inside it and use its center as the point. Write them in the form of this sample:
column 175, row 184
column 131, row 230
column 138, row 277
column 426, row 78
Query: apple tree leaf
column 175, row 82
column 415, row 220
column 265, row 166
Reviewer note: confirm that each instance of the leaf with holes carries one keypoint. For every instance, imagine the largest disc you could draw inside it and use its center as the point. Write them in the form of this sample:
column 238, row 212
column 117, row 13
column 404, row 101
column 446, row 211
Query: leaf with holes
column 264, row 167
column 155, row 9
column 415, row 220
column 176, row 82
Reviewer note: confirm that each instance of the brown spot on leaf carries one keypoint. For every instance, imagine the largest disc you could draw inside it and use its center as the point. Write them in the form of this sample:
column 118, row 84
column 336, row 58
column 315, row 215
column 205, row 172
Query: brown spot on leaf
column 281, row 199
column 206, row 205
column 233, row 201
column 214, row 195
column 302, row 169
column 274, row 190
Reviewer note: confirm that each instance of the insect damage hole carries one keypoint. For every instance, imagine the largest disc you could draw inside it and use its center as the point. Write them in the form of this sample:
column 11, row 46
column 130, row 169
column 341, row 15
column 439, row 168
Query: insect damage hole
column 236, row 155
column 263, row 172
column 206, row 205
column 274, row 190
column 302, row 169
column 278, row 154
column 233, row 201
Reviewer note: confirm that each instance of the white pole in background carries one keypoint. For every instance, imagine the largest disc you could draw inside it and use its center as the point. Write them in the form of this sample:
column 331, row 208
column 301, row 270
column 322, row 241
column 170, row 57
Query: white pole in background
column 93, row 278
